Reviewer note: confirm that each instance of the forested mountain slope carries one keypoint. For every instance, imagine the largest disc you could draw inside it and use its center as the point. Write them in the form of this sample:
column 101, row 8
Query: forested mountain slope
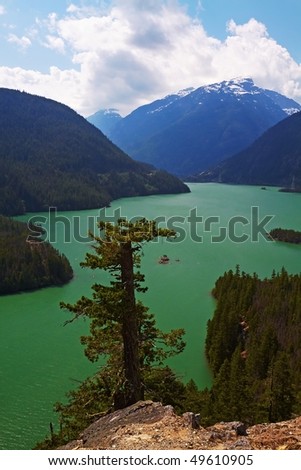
column 253, row 348
column 51, row 156
column 273, row 159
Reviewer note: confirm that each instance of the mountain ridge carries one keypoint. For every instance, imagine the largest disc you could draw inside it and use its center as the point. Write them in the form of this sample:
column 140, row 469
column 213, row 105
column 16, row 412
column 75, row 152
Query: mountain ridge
column 190, row 131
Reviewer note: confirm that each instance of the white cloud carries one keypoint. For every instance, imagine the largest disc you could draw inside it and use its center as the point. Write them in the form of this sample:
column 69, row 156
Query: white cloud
column 63, row 86
column 86, row 10
column 2, row 10
column 249, row 51
column 55, row 43
column 133, row 52
column 72, row 8
column 22, row 42
column 251, row 30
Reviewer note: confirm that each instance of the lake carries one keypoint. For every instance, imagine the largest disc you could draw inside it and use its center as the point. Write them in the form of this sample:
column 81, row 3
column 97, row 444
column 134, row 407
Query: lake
column 219, row 227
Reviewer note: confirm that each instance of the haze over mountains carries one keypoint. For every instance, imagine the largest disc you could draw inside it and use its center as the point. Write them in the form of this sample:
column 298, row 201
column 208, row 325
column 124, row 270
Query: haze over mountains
column 51, row 156
column 192, row 130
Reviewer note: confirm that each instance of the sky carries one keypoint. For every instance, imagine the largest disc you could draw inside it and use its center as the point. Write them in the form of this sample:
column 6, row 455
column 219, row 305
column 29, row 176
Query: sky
column 98, row 54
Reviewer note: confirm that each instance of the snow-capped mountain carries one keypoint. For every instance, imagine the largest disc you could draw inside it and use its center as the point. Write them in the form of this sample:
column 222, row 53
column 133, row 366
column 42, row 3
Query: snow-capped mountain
column 161, row 105
column 105, row 119
column 245, row 86
column 191, row 130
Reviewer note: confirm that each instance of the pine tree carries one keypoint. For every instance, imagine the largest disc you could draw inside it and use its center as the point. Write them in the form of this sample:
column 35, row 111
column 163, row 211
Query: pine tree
column 282, row 398
column 120, row 326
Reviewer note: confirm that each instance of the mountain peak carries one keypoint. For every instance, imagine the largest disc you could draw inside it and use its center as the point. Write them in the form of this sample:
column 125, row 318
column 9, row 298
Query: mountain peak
column 191, row 130
column 105, row 119
column 236, row 86
column 110, row 111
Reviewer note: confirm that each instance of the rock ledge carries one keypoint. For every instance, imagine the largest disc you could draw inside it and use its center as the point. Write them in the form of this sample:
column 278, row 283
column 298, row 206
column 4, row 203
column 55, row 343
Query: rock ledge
column 150, row 425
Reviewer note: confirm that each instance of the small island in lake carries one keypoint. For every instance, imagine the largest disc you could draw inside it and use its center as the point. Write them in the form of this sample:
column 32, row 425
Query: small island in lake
column 285, row 235
column 164, row 259
column 27, row 264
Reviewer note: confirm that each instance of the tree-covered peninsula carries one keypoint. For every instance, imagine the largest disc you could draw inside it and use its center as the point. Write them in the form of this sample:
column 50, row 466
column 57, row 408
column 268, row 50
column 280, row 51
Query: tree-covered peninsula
column 252, row 344
column 25, row 264
column 253, row 348
column 285, row 235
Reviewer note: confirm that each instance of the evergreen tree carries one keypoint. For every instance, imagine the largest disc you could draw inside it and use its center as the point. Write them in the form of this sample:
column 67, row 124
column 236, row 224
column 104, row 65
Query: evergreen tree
column 219, row 398
column 282, row 398
column 253, row 347
column 121, row 328
column 239, row 398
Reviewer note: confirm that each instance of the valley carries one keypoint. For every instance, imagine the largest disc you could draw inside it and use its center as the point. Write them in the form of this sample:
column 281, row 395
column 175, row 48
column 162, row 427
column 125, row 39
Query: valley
column 150, row 233
column 220, row 228
column 190, row 131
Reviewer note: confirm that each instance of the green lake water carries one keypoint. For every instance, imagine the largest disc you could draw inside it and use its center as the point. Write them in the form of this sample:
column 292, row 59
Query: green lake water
column 41, row 359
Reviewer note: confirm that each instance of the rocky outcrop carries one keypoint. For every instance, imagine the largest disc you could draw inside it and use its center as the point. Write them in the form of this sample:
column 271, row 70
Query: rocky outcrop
column 149, row 425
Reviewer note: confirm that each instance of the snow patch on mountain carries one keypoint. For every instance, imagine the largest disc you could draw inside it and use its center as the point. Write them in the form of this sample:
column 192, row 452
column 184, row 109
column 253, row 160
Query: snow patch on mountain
column 236, row 87
column 110, row 111
column 290, row 111
column 170, row 99
column 185, row 92
column 157, row 110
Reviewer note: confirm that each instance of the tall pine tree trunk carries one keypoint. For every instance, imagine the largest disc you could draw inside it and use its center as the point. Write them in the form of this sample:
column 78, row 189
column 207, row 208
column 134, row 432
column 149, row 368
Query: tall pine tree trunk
column 131, row 391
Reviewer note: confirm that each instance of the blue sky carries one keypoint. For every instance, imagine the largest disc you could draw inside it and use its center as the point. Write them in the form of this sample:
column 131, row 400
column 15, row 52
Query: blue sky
column 93, row 54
